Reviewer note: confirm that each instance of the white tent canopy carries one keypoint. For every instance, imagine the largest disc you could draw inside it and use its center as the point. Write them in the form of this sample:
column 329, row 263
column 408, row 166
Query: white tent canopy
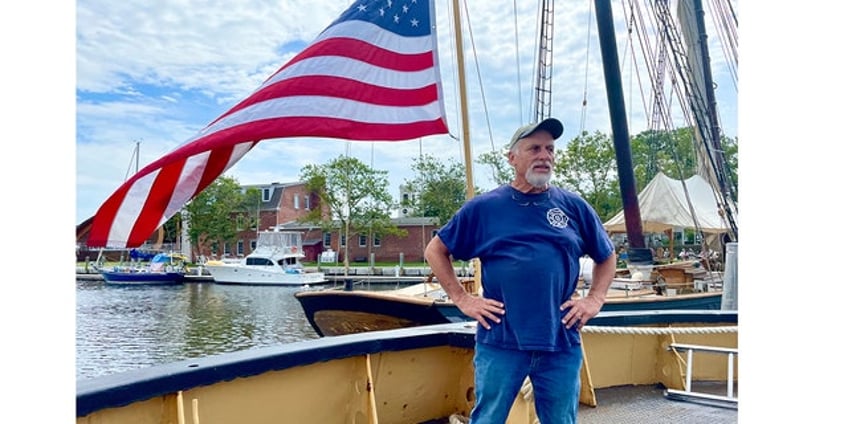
column 663, row 206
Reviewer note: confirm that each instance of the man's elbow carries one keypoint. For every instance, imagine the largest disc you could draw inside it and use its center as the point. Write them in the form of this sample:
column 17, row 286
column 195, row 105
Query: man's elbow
column 434, row 249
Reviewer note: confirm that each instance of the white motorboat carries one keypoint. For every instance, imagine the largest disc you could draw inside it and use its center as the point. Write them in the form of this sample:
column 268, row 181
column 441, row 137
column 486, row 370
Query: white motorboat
column 275, row 261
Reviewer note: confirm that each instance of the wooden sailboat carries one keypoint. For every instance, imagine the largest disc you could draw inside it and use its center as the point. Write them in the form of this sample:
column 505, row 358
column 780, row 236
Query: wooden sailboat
column 422, row 374
column 336, row 311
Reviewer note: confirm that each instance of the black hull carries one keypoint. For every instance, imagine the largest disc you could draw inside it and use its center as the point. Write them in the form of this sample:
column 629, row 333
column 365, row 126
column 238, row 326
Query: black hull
column 334, row 312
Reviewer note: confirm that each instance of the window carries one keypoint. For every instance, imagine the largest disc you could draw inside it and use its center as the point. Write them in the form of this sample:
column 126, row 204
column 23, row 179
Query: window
column 259, row 261
column 344, row 241
column 376, row 240
column 306, row 201
column 226, row 248
column 327, row 238
column 252, row 245
column 363, row 240
column 296, row 202
column 240, row 248
column 266, row 194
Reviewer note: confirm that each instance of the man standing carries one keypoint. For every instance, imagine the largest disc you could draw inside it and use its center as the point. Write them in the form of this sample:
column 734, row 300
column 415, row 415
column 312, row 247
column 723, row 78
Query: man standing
column 529, row 237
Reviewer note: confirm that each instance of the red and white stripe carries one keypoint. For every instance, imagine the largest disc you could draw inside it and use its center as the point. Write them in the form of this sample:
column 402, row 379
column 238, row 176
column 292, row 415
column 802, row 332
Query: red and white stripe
column 356, row 81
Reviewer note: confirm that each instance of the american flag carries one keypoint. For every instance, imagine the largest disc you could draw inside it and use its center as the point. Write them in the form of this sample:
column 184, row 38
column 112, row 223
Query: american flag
column 370, row 75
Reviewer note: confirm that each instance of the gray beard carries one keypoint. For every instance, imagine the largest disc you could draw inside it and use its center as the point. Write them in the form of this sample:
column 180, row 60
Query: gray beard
column 537, row 180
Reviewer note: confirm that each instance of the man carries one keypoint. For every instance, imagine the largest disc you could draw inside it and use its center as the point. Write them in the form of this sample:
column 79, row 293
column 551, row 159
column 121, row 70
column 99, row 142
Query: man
column 529, row 237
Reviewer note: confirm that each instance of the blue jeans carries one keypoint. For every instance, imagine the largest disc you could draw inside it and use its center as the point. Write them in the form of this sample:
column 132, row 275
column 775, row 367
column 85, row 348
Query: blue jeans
column 499, row 374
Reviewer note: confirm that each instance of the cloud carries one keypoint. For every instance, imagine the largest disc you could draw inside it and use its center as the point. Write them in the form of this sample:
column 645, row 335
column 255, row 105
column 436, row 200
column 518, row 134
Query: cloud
column 160, row 71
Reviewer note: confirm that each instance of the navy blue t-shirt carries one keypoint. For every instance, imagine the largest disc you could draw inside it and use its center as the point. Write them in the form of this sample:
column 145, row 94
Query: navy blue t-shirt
column 529, row 247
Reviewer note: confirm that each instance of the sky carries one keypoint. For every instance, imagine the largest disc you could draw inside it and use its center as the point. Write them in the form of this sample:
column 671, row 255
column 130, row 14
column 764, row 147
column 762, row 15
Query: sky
column 155, row 73
column 77, row 83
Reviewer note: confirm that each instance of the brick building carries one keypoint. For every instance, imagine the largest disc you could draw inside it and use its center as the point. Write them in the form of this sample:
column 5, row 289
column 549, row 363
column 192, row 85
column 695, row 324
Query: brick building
column 283, row 204
column 419, row 231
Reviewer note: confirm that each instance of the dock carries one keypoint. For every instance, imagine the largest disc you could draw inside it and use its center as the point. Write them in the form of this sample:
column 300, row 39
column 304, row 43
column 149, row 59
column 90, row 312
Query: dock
column 358, row 279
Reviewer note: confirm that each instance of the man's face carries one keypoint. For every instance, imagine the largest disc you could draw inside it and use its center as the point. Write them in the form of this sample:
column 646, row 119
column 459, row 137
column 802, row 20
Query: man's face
column 533, row 159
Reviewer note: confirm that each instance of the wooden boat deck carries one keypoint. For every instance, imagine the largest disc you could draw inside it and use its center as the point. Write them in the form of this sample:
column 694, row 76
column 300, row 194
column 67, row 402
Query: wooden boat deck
column 646, row 404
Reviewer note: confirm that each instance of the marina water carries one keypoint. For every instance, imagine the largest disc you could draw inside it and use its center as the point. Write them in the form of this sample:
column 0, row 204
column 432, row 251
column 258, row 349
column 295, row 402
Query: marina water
column 121, row 328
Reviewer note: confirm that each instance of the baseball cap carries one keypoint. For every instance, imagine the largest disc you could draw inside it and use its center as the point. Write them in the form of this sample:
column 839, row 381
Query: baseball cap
column 551, row 125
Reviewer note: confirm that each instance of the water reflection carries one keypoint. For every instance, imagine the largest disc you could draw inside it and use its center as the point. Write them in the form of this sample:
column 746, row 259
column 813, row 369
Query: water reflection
column 124, row 328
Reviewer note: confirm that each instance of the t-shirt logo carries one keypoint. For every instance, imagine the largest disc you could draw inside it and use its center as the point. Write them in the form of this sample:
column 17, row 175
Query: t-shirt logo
column 557, row 218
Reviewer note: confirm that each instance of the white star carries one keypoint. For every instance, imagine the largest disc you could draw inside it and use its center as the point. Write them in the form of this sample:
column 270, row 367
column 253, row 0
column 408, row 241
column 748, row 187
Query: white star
column 397, row 18
column 405, row 8
column 362, row 8
column 389, row 2
column 414, row 22
column 382, row 12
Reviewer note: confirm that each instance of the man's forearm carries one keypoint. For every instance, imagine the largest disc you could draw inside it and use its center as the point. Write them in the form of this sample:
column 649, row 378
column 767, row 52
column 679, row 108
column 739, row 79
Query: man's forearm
column 602, row 275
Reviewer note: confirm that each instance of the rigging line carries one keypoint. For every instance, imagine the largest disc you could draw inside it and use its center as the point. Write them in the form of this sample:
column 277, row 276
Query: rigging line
column 623, row 61
column 479, row 77
column 454, row 67
column 647, row 54
column 684, row 95
column 655, row 63
column 727, row 39
column 640, row 28
column 718, row 170
column 584, row 107
column 134, row 156
column 630, row 48
column 725, row 29
column 727, row 15
column 517, row 59
column 536, row 63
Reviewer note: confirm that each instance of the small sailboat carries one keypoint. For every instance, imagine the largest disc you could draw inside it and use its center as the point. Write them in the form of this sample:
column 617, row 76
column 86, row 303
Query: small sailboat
column 162, row 269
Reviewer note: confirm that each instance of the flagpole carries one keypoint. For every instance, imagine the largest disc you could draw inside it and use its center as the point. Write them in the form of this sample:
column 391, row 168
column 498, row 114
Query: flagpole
column 463, row 102
column 466, row 131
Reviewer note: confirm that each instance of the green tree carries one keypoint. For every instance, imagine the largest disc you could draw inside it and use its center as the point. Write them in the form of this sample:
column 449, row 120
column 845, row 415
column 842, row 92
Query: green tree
column 438, row 188
column 669, row 152
column 502, row 172
column 172, row 228
column 731, row 157
column 675, row 153
column 215, row 212
column 250, row 205
column 354, row 194
column 587, row 166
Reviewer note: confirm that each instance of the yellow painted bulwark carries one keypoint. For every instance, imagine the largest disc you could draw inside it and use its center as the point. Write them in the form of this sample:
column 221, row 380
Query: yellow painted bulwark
column 640, row 359
column 413, row 386
column 327, row 392
column 423, row 384
column 159, row 410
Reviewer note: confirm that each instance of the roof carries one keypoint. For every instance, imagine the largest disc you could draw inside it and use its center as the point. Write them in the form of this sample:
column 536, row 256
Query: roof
column 663, row 205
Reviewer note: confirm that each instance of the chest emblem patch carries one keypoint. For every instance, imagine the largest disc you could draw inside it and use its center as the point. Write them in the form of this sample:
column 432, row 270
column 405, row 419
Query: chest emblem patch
column 557, row 218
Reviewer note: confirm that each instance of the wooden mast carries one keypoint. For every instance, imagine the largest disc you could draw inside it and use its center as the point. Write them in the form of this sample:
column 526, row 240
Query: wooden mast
column 463, row 103
column 466, row 131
